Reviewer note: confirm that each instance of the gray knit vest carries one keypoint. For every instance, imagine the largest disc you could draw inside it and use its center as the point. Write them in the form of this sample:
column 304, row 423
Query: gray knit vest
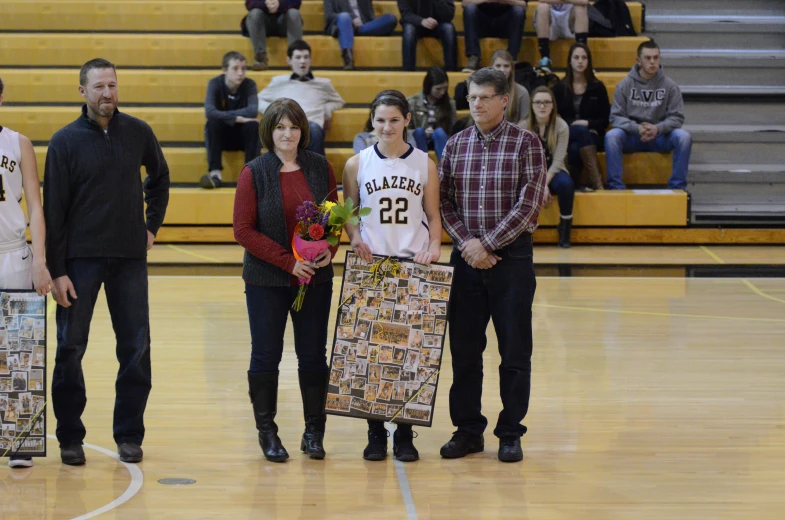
column 270, row 219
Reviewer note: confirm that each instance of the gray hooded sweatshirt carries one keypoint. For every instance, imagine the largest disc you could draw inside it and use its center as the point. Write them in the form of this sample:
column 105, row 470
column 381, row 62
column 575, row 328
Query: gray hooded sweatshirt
column 657, row 101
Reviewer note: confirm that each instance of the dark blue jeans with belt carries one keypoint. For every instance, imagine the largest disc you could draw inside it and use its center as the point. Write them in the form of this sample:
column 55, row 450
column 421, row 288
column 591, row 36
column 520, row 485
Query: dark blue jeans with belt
column 503, row 293
column 125, row 285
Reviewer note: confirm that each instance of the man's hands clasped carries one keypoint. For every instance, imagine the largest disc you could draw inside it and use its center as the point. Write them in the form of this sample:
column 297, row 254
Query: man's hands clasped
column 477, row 256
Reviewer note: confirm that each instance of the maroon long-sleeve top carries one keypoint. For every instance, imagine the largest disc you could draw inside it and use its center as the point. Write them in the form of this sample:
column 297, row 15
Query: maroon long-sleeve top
column 294, row 190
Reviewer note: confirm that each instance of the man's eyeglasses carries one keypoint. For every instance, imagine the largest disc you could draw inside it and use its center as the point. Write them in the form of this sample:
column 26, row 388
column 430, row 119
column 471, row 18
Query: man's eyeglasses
column 484, row 99
column 542, row 104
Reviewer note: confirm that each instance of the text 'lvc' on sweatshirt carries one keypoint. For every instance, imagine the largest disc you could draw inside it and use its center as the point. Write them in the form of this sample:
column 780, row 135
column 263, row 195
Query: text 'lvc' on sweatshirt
column 93, row 193
column 657, row 101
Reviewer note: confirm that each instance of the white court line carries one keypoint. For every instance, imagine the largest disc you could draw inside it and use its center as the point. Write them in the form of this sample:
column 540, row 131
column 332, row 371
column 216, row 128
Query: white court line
column 137, row 479
column 403, row 482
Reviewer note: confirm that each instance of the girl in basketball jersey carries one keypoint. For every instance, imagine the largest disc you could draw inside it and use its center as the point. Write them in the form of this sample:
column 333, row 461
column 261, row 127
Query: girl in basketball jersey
column 401, row 186
column 20, row 268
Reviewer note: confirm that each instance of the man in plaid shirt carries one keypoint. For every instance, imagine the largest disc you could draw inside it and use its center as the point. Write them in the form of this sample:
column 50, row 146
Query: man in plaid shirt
column 492, row 187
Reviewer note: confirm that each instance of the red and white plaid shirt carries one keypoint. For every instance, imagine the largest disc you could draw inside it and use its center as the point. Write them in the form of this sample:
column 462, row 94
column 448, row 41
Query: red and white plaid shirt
column 492, row 187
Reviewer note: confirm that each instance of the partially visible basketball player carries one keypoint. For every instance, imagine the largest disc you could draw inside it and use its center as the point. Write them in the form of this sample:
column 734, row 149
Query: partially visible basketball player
column 20, row 268
column 401, row 186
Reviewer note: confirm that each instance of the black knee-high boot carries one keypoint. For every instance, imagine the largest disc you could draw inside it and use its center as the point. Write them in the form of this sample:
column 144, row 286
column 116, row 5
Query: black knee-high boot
column 263, row 390
column 313, row 387
column 565, row 230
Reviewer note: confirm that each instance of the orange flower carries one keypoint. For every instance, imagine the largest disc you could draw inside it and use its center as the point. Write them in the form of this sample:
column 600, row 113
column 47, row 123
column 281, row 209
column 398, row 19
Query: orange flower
column 316, row 231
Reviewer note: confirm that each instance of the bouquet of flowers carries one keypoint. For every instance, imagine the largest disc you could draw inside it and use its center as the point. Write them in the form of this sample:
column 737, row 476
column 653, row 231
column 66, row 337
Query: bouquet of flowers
column 319, row 227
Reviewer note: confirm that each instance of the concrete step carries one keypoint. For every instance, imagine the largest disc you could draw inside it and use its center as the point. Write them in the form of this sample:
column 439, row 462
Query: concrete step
column 702, row 90
column 737, row 193
column 736, row 174
column 734, row 110
column 710, row 31
column 737, row 153
column 752, row 134
column 724, row 213
column 728, row 67
column 702, row 7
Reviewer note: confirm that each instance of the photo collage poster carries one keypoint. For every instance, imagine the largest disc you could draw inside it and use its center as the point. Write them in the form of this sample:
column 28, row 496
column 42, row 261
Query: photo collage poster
column 389, row 339
column 22, row 373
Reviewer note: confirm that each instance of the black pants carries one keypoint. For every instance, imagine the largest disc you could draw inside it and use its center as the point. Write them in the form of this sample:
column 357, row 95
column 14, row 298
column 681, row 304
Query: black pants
column 505, row 294
column 268, row 309
column 220, row 137
column 444, row 31
column 125, row 284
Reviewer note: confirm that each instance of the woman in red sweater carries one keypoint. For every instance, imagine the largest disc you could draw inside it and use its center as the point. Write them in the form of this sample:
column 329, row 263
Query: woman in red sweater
column 269, row 190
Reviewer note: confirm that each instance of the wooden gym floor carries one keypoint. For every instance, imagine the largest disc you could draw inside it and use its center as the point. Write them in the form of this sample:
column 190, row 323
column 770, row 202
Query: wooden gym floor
column 652, row 398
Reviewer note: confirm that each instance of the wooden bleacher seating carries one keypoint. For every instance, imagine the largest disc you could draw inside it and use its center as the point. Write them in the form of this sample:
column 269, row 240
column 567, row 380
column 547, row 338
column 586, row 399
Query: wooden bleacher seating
column 169, row 16
column 170, row 98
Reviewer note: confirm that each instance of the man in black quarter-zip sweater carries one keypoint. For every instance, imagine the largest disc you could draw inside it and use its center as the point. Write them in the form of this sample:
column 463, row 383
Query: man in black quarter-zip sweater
column 97, row 234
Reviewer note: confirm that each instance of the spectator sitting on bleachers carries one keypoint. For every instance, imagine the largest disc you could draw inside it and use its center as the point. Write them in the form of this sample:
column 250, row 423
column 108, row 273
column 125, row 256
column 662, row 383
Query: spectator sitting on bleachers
column 433, row 112
column 369, row 137
column 647, row 115
column 558, row 19
column 517, row 110
column 492, row 18
column 271, row 18
column 230, row 108
column 582, row 100
column 344, row 18
column 432, row 18
column 317, row 96
column 554, row 133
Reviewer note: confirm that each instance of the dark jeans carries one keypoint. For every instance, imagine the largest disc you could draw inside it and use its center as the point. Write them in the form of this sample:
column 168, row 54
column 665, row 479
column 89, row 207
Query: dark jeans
column 220, row 137
column 444, row 31
column 125, row 285
column 581, row 137
column 477, row 24
column 316, row 144
column 268, row 308
column 382, row 26
column 437, row 141
column 563, row 187
column 505, row 294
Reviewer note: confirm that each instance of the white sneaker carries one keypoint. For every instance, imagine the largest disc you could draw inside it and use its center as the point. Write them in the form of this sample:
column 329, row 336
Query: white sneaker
column 20, row 462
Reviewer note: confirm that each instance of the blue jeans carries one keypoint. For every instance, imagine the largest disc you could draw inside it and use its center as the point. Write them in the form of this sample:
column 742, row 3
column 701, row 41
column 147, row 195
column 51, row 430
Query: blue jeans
column 268, row 308
column 564, row 188
column 444, row 31
column 580, row 137
column 317, row 138
column 382, row 26
column 618, row 141
column 125, row 285
column 477, row 24
column 504, row 293
column 438, row 140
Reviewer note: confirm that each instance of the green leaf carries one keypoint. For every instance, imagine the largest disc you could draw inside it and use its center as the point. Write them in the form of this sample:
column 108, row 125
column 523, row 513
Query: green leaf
column 333, row 241
column 340, row 211
column 364, row 212
column 353, row 220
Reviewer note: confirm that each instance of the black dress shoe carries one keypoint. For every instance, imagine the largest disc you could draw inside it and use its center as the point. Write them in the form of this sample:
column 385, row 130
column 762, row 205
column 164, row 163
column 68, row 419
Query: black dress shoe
column 72, row 455
column 130, row 452
column 462, row 444
column 510, row 449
